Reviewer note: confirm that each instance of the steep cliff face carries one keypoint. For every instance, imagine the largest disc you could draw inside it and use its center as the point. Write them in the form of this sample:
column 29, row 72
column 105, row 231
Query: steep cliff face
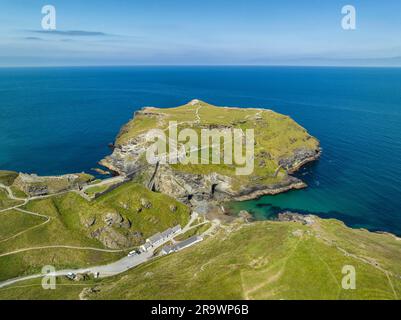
column 191, row 188
column 300, row 157
column 34, row 185
column 187, row 187
column 281, row 147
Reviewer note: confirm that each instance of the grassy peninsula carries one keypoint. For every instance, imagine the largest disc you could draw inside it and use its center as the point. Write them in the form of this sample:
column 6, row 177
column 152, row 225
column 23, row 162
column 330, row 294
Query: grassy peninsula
column 72, row 221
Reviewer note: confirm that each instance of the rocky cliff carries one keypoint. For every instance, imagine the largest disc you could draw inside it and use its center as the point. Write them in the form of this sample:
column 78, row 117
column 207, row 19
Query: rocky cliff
column 34, row 185
column 281, row 148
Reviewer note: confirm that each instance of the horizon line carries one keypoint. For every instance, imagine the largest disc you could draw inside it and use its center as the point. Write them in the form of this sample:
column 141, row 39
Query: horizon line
column 200, row 65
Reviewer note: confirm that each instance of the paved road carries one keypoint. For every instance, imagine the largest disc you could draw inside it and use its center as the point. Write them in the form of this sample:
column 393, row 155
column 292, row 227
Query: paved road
column 107, row 270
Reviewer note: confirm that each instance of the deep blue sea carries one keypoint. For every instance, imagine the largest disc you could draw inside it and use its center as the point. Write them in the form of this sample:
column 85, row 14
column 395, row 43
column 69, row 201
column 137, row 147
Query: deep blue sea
column 60, row 120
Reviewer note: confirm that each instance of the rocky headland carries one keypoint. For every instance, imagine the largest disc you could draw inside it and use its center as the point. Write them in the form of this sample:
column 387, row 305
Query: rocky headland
column 281, row 148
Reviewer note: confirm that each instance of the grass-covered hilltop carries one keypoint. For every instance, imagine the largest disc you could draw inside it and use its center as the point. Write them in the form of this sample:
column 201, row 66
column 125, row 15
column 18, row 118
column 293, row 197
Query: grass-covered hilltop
column 68, row 229
column 281, row 147
column 258, row 260
column 86, row 226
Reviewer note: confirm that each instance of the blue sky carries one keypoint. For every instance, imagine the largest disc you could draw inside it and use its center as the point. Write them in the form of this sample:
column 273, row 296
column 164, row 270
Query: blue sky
column 207, row 32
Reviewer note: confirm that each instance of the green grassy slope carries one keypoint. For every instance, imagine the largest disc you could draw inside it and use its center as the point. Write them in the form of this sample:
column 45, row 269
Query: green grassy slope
column 270, row 260
column 277, row 137
column 7, row 177
column 126, row 200
column 263, row 260
column 55, row 232
column 67, row 213
column 13, row 222
column 6, row 202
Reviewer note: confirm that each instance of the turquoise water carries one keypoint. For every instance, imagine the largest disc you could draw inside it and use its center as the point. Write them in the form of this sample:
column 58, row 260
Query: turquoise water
column 60, row 120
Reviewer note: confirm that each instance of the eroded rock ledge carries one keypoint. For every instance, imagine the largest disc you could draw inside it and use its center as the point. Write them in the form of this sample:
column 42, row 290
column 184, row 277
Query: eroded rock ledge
column 281, row 148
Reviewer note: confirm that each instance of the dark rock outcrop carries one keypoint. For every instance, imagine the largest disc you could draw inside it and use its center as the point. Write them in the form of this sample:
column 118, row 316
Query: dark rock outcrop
column 300, row 157
column 295, row 217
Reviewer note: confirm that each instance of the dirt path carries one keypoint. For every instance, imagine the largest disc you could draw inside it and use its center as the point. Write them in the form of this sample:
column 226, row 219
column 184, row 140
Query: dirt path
column 61, row 247
column 47, row 220
column 107, row 270
column 10, row 192
column 198, row 119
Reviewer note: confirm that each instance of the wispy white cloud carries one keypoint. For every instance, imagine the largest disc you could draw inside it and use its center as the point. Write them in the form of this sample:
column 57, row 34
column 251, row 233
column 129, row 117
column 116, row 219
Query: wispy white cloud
column 72, row 33
column 33, row 38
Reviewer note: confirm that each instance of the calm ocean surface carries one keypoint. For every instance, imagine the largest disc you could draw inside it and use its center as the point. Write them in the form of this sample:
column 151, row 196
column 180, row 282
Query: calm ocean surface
column 60, row 120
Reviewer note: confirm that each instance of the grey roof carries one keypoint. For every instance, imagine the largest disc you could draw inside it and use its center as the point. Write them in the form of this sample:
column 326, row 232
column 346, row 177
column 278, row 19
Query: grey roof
column 167, row 249
column 183, row 244
column 165, row 234
column 155, row 238
column 147, row 245
column 188, row 242
column 176, row 228
column 170, row 231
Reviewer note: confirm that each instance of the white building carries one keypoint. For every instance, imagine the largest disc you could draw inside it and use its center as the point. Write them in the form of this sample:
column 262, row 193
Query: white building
column 160, row 238
column 181, row 245
column 145, row 247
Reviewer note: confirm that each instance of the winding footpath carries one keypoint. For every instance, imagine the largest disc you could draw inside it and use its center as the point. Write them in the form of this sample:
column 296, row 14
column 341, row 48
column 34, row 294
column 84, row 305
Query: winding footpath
column 101, row 271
